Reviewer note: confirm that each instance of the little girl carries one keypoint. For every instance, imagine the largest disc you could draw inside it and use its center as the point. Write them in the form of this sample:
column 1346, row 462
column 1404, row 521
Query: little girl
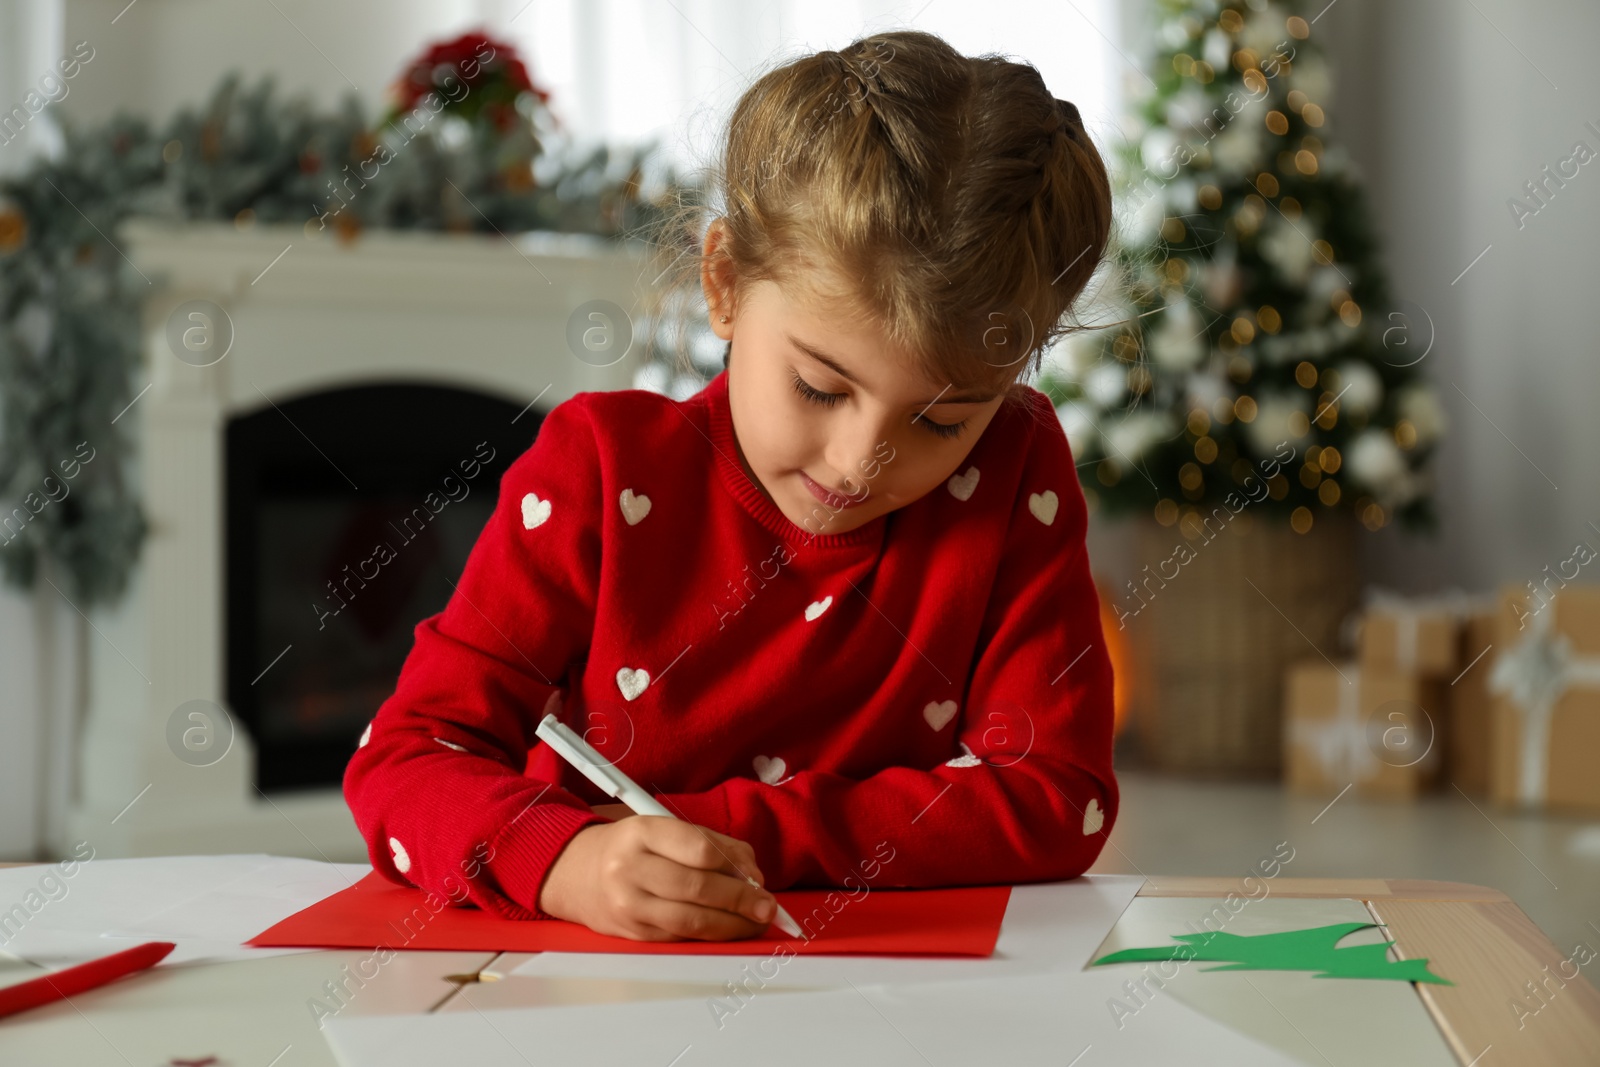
column 834, row 610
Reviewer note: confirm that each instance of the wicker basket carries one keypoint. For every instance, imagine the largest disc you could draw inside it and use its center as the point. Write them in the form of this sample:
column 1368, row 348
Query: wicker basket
column 1209, row 646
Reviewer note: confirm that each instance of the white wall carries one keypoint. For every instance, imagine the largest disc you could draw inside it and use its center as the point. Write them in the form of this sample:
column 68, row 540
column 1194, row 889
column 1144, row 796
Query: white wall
column 626, row 70
column 29, row 36
column 159, row 54
column 19, row 802
column 1449, row 109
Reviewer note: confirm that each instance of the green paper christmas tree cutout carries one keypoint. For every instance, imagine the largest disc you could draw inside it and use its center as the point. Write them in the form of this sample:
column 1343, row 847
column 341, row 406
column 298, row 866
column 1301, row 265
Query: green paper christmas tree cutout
column 1293, row 950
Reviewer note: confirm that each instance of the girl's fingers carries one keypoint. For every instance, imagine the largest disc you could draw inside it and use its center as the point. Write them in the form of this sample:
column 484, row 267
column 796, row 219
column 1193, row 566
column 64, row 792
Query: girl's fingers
column 639, row 931
column 690, row 921
column 672, row 881
column 698, row 846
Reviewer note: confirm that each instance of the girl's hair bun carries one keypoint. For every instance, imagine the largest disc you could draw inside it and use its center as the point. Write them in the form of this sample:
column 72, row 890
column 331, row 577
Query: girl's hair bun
column 898, row 182
column 1071, row 122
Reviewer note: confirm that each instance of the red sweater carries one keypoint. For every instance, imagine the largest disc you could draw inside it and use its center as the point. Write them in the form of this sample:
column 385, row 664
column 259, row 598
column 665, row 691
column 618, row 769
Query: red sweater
column 922, row 701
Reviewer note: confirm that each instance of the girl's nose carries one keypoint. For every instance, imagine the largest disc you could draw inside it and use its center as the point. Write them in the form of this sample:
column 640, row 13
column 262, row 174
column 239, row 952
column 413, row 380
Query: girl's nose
column 854, row 449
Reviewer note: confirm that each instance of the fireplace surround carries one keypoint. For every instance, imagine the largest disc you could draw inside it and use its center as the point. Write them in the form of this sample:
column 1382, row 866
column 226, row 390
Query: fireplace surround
column 462, row 339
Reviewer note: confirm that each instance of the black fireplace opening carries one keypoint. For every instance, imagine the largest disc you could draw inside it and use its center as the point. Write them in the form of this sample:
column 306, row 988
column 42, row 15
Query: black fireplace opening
column 349, row 515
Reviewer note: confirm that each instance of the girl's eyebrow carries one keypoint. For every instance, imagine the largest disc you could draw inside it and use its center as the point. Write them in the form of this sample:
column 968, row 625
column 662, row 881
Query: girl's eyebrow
column 838, row 368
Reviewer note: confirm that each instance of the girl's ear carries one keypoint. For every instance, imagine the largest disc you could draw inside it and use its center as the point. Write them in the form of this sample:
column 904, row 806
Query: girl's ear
column 716, row 280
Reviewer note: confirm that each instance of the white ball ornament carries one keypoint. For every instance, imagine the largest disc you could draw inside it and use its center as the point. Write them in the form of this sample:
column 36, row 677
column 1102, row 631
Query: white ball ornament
column 1130, row 437
column 1107, row 384
column 1275, row 423
column 1362, row 390
column 1420, row 406
column 1374, row 461
column 1078, row 424
column 1179, row 343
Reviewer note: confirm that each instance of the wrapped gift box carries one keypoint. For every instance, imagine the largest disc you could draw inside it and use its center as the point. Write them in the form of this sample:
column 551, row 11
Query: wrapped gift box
column 1348, row 725
column 1412, row 635
column 1546, row 713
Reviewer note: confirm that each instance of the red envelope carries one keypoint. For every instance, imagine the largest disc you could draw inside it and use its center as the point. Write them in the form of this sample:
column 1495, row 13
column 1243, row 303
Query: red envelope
column 376, row 913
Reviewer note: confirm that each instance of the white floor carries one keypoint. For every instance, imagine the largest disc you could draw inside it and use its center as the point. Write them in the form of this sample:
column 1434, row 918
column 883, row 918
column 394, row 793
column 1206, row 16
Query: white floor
column 1550, row 865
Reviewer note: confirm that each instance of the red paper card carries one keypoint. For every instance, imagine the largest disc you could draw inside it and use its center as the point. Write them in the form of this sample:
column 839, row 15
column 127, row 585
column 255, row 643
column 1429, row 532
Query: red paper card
column 376, row 913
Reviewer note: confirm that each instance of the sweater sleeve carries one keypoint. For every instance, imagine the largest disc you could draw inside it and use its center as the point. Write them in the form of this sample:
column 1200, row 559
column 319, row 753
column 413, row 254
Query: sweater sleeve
column 1031, row 795
column 437, row 785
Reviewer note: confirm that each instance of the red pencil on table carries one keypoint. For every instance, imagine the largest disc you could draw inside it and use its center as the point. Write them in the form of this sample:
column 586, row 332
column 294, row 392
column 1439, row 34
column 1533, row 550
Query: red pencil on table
column 81, row 977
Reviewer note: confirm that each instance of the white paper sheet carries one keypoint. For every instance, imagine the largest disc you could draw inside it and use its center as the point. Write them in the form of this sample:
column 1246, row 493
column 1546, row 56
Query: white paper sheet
column 206, row 904
column 1056, row 1019
column 1047, row 927
column 1295, row 1012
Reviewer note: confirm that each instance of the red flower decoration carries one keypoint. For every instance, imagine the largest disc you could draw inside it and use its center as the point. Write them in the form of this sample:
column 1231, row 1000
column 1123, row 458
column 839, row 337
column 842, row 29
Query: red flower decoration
column 489, row 69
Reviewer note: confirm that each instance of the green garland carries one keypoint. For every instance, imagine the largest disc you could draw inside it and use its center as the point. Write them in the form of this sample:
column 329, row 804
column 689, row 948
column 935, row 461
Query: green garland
column 70, row 302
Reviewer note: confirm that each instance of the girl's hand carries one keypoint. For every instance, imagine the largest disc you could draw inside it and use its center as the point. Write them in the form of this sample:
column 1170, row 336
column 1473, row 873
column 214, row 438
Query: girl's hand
column 657, row 879
column 612, row 811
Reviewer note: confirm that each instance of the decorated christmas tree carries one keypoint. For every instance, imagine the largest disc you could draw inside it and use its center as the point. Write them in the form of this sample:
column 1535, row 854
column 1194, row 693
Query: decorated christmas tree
column 1255, row 356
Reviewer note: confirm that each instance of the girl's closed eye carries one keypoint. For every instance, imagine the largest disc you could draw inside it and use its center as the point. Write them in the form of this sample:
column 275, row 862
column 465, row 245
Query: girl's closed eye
column 816, row 396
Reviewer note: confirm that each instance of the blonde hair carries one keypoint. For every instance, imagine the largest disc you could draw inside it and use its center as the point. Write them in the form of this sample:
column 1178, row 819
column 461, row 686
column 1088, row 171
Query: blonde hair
column 952, row 200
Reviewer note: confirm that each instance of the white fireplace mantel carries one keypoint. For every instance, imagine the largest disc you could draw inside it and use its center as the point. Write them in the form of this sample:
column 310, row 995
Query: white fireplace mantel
column 308, row 314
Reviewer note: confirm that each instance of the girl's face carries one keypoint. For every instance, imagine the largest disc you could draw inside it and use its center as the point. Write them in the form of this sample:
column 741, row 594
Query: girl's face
column 833, row 426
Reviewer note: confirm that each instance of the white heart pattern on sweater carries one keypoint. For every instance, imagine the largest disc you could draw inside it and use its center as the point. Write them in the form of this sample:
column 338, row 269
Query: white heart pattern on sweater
column 402, row 859
column 632, row 682
column 770, row 770
column 449, row 744
column 939, row 713
column 1044, row 505
column 366, row 735
column 1093, row 818
column 534, row 511
column 813, row 610
column 634, row 508
column 962, row 485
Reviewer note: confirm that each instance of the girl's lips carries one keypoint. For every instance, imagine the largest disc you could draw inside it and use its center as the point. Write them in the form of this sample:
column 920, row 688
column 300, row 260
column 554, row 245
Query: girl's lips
column 833, row 500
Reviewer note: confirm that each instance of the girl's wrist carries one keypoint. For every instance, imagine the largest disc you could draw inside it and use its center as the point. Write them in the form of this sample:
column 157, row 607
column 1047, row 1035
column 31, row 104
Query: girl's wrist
column 569, row 866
